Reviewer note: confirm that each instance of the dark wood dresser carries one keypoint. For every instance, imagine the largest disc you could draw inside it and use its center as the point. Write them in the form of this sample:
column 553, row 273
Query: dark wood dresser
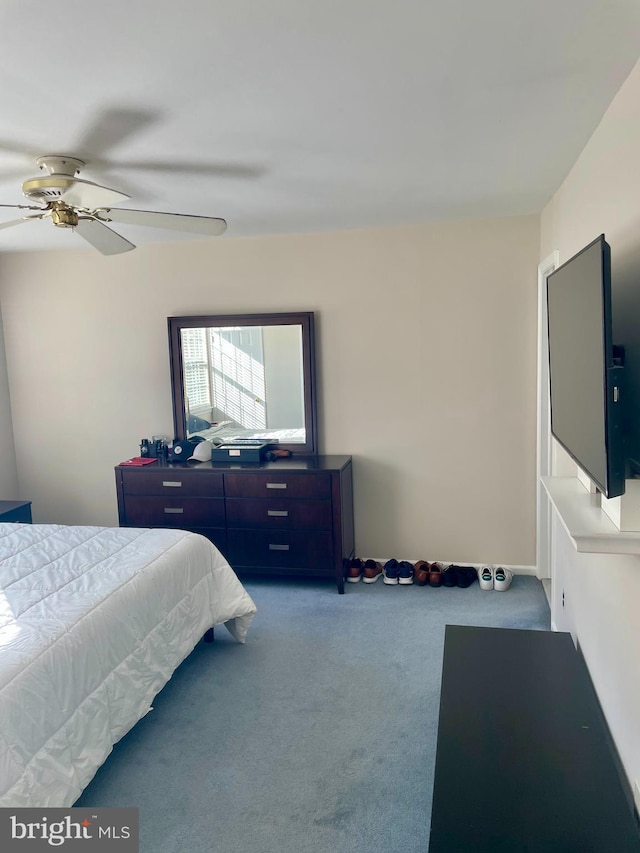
column 15, row 511
column 288, row 517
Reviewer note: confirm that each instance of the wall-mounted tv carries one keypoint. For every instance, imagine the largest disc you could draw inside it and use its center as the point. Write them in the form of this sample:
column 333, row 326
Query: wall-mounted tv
column 585, row 369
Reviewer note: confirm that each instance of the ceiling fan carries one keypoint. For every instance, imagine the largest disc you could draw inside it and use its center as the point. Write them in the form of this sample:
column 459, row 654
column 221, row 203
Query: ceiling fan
column 73, row 202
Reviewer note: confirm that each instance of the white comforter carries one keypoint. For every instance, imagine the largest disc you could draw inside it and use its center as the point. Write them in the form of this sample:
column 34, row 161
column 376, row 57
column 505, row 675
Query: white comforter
column 93, row 622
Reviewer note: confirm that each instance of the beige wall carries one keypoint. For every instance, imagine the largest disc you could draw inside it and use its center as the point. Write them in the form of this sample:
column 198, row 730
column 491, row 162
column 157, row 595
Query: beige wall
column 8, row 472
column 426, row 367
column 602, row 593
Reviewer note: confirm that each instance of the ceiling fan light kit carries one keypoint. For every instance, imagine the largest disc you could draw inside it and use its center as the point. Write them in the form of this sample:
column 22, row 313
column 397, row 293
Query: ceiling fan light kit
column 72, row 202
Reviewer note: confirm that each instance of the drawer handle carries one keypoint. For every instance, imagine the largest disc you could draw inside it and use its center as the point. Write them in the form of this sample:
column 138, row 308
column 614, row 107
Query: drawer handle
column 276, row 485
column 278, row 547
column 173, row 510
column 172, row 484
column 280, row 513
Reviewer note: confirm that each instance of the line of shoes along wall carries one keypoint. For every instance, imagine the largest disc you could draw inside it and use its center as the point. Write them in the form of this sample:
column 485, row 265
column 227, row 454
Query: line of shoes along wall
column 423, row 573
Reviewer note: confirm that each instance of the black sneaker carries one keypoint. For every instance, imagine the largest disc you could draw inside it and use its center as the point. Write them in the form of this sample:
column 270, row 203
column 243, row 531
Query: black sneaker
column 450, row 575
column 405, row 572
column 465, row 576
column 390, row 574
column 354, row 572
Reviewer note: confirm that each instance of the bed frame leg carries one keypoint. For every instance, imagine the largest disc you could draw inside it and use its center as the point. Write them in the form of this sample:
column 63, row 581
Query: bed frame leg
column 208, row 637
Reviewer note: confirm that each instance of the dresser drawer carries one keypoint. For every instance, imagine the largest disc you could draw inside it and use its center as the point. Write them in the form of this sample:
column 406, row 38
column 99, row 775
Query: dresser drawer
column 170, row 511
column 173, row 482
column 278, row 515
column 286, row 549
column 275, row 484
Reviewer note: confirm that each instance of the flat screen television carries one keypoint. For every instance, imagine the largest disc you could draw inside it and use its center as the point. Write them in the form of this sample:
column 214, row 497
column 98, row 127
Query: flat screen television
column 585, row 369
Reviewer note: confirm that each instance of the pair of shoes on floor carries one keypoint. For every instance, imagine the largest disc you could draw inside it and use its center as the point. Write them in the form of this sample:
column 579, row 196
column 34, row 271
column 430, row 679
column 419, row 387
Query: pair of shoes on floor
column 460, row 576
column 435, row 574
column 398, row 572
column 494, row 577
column 428, row 573
column 366, row 570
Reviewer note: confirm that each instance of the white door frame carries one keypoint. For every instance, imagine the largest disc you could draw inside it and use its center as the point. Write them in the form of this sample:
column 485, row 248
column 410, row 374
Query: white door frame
column 543, row 431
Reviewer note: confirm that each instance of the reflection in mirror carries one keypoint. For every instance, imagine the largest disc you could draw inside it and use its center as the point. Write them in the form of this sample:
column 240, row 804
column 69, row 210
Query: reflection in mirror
column 244, row 380
column 244, row 376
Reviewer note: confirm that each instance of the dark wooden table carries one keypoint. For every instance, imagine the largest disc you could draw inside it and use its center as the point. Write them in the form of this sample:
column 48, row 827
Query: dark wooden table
column 525, row 762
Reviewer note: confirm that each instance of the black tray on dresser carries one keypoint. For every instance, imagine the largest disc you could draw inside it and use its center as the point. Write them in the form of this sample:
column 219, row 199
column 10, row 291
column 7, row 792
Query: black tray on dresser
column 288, row 517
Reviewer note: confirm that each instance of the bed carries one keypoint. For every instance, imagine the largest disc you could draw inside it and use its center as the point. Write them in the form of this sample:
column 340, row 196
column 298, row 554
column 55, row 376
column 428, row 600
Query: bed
column 93, row 622
column 226, row 431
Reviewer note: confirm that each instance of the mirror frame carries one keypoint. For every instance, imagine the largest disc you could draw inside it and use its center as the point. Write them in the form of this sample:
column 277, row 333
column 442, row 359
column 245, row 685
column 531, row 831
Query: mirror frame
column 304, row 319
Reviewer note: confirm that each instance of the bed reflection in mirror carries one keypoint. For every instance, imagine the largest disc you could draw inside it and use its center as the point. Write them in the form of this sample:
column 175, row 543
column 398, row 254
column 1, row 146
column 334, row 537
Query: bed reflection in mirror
column 244, row 376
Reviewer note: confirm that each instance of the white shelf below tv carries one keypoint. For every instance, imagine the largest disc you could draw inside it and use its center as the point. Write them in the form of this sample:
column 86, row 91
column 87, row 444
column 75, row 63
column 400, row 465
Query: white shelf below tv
column 589, row 527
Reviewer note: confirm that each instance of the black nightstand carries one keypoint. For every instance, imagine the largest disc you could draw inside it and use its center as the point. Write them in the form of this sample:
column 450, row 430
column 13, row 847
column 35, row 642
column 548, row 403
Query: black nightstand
column 15, row 511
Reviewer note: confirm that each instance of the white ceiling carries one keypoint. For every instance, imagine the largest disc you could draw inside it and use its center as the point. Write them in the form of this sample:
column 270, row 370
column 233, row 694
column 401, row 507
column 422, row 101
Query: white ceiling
column 289, row 116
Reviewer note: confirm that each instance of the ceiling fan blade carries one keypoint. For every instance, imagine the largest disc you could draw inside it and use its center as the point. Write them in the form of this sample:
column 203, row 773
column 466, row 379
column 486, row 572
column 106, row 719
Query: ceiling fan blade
column 88, row 195
column 21, row 149
column 12, row 174
column 102, row 238
column 111, row 127
column 207, row 225
column 24, row 207
column 106, row 131
column 13, row 222
column 173, row 167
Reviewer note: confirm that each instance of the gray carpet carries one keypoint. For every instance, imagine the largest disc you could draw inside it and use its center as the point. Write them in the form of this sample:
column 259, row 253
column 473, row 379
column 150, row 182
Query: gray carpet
column 317, row 736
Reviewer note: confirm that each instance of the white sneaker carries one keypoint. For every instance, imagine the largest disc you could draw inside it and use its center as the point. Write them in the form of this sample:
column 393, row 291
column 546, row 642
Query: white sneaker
column 485, row 577
column 502, row 579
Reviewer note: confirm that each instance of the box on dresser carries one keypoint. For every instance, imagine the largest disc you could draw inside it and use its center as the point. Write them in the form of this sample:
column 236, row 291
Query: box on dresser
column 284, row 517
column 234, row 451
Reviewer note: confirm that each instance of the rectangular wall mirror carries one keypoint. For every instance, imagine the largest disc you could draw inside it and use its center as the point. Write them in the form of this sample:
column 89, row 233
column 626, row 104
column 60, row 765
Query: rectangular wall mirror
column 245, row 376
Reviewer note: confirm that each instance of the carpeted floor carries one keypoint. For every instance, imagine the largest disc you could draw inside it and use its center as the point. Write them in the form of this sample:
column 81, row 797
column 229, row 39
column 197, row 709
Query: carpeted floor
column 317, row 736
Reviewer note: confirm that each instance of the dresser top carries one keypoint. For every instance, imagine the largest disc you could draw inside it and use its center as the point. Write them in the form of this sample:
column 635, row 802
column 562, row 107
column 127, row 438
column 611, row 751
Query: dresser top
column 293, row 464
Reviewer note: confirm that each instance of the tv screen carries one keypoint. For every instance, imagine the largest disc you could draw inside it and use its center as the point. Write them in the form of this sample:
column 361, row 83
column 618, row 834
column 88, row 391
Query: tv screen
column 584, row 375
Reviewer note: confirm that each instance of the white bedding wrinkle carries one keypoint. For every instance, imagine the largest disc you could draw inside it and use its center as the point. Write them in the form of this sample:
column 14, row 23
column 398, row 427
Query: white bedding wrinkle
column 93, row 622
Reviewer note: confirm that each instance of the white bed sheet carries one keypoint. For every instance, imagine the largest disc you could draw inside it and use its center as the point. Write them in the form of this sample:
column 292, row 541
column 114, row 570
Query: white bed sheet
column 93, row 622
column 225, row 432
